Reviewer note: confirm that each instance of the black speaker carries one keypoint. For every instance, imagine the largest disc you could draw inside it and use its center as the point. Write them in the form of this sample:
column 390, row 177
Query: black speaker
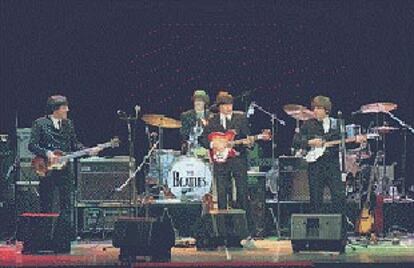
column 221, row 228
column 144, row 237
column 27, row 197
column 318, row 232
column 36, row 230
column 98, row 178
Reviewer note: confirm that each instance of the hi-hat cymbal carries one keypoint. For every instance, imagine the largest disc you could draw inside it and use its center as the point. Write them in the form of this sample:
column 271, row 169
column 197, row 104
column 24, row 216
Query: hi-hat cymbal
column 384, row 129
column 378, row 107
column 298, row 112
column 159, row 120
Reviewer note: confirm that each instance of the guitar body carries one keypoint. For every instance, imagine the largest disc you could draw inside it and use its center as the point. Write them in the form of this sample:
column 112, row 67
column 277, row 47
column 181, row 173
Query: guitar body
column 221, row 151
column 42, row 166
column 314, row 154
column 365, row 222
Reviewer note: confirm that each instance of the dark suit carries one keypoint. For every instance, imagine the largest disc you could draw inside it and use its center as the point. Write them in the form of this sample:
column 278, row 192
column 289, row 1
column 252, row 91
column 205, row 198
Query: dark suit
column 188, row 122
column 326, row 170
column 45, row 137
column 234, row 167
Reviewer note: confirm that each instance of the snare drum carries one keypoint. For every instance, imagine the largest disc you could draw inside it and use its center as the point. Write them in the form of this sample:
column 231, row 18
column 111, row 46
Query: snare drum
column 190, row 178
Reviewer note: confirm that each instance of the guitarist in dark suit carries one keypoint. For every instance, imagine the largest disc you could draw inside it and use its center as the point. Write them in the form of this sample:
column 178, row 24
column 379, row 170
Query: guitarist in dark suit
column 49, row 133
column 326, row 170
column 236, row 167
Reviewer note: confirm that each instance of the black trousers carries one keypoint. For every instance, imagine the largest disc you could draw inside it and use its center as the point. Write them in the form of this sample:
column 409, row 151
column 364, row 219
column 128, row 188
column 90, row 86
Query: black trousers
column 57, row 185
column 223, row 173
column 326, row 172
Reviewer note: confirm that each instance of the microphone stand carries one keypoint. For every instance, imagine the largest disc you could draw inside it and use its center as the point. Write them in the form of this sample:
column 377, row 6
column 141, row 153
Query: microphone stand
column 273, row 119
column 404, row 154
column 129, row 119
column 134, row 173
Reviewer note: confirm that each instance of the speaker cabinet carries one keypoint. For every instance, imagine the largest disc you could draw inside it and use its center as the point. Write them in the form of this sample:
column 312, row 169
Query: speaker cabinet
column 318, row 232
column 36, row 230
column 221, row 228
column 98, row 177
column 144, row 237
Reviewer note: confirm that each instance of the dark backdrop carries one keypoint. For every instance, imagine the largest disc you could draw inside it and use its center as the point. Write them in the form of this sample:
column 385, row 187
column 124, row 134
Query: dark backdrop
column 110, row 55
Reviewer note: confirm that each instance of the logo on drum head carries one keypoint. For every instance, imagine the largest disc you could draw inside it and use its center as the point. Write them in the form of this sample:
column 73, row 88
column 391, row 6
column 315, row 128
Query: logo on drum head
column 188, row 181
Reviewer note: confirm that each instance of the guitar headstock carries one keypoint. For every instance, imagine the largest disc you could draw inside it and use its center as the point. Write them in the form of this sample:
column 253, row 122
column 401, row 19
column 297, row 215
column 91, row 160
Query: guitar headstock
column 115, row 142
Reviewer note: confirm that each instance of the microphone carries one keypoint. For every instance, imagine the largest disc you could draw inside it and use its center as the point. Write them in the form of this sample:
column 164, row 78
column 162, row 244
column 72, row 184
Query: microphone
column 357, row 112
column 137, row 110
column 121, row 113
column 250, row 110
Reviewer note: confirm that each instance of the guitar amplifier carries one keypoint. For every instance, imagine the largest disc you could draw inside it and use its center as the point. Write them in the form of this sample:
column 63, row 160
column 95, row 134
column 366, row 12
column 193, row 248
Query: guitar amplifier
column 98, row 177
column 23, row 139
column 98, row 219
column 294, row 183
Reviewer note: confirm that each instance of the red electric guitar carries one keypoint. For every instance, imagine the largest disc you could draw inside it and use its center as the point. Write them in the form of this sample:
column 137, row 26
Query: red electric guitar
column 223, row 143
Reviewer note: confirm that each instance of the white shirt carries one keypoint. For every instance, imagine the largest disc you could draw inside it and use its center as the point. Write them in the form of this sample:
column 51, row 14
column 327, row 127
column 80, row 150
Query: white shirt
column 56, row 122
column 223, row 120
column 326, row 124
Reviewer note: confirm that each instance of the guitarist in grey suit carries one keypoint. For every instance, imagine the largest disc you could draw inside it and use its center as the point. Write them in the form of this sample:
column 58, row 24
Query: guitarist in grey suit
column 326, row 170
column 49, row 133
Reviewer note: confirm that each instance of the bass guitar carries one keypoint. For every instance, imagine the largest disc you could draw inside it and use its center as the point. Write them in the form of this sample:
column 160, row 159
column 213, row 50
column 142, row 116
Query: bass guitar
column 42, row 166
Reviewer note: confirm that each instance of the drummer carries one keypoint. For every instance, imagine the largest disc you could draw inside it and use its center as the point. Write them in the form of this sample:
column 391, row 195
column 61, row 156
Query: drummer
column 195, row 120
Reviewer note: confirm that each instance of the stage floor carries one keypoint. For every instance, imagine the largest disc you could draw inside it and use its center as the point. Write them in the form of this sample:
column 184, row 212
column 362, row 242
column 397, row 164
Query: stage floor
column 266, row 253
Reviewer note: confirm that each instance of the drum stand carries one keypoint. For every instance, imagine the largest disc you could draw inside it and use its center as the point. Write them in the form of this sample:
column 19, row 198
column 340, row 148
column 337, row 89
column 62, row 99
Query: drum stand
column 405, row 127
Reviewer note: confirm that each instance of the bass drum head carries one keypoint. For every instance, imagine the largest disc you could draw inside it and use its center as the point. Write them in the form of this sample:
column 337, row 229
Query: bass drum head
column 189, row 178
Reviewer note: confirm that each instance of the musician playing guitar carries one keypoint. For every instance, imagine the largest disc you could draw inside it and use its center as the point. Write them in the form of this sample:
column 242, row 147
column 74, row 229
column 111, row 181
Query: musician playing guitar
column 235, row 166
column 49, row 133
column 325, row 171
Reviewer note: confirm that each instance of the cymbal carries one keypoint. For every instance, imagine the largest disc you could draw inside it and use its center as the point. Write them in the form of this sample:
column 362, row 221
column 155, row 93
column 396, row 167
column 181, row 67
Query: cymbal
column 378, row 107
column 159, row 120
column 293, row 108
column 384, row 129
column 298, row 112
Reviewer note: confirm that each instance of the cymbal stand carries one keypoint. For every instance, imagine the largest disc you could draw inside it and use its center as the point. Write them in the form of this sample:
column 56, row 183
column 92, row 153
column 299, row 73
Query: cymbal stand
column 134, row 173
column 406, row 128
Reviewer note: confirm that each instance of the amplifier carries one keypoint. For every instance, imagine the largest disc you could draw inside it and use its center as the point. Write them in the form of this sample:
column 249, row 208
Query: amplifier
column 98, row 177
column 98, row 219
column 294, row 183
column 23, row 139
column 27, row 173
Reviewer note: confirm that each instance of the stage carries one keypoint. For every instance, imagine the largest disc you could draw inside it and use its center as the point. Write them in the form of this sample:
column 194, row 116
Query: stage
column 268, row 252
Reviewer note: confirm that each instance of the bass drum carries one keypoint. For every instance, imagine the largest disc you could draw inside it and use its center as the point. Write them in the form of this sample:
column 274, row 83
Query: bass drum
column 190, row 178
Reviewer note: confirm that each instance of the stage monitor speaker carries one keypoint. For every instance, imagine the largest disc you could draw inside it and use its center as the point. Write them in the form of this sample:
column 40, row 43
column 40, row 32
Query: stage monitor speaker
column 36, row 230
column 144, row 237
column 221, row 228
column 318, row 232
column 98, row 177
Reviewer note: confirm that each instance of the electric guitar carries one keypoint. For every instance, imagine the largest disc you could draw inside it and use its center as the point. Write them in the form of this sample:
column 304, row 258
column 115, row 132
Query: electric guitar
column 223, row 144
column 42, row 166
column 365, row 223
column 316, row 152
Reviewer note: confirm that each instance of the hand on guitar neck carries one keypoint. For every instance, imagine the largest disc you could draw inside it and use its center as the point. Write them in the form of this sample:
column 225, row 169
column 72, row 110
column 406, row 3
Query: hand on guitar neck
column 318, row 142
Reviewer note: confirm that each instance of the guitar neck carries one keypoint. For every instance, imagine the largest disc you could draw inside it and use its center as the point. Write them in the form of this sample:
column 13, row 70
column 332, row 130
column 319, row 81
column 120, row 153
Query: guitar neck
column 241, row 141
column 337, row 142
column 83, row 152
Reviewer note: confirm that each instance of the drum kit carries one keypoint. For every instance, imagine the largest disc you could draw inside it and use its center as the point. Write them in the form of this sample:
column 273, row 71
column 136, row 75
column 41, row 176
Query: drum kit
column 356, row 159
column 181, row 176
